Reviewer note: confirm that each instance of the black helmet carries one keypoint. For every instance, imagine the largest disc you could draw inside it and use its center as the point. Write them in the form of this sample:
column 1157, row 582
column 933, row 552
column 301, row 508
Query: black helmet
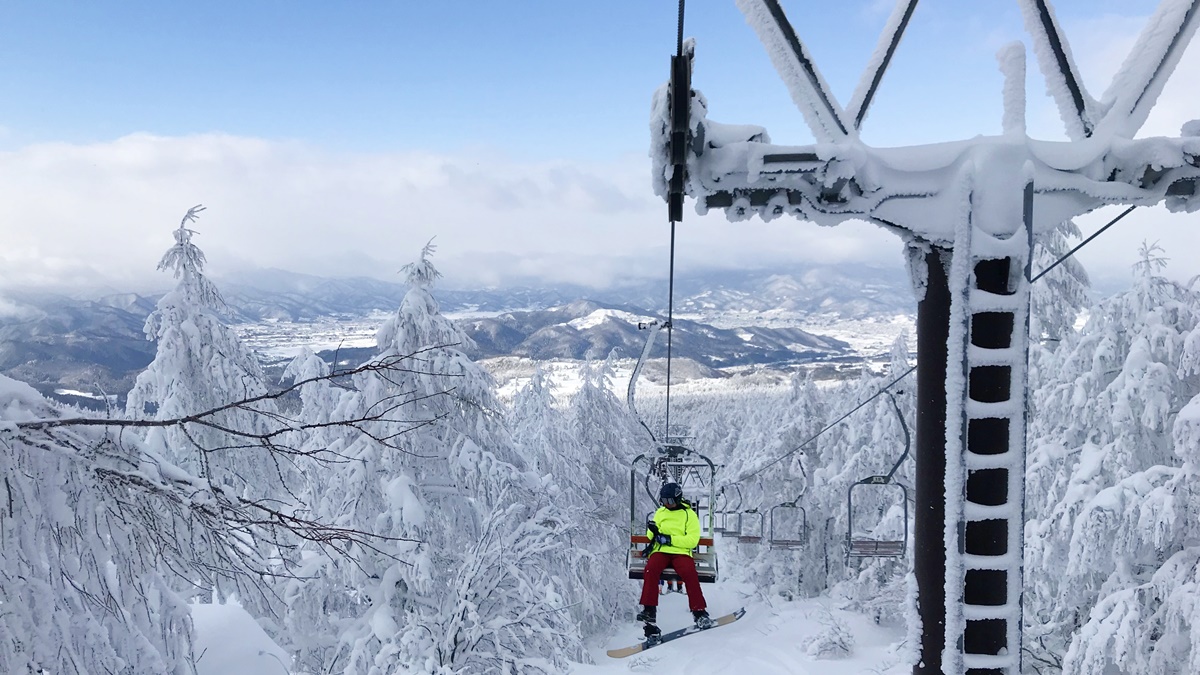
column 671, row 495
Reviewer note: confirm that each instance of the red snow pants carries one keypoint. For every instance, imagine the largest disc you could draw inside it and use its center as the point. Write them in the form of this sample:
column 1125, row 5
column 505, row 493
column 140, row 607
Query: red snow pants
column 684, row 566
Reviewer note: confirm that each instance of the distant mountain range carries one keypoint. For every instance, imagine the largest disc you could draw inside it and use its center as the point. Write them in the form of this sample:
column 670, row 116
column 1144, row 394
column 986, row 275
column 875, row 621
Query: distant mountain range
column 586, row 329
column 97, row 344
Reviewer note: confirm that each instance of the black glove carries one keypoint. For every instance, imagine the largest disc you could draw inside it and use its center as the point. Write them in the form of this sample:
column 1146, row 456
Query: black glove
column 664, row 539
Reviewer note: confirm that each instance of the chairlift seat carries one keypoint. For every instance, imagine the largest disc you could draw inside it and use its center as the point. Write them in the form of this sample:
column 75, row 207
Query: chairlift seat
column 704, row 555
column 793, row 539
column 788, row 543
column 752, row 535
column 875, row 548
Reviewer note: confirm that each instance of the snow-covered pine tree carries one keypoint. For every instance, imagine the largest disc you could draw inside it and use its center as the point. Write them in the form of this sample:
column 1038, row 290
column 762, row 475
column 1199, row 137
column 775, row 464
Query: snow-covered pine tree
column 610, row 437
column 798, row 572
column 201, row 365
column 1061, row 293
column 542, row 431
column 868, row 442
column 466, row 584
column 319, row 597
column 103, row 527
column 1109, row 550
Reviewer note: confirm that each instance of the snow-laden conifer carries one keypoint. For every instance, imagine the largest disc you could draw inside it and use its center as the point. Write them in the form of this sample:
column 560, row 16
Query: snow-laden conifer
column 466, row 582
column 201, row 365
column 596, row 582
column 1109, row 547
column 1061, row 293
column 201, row 368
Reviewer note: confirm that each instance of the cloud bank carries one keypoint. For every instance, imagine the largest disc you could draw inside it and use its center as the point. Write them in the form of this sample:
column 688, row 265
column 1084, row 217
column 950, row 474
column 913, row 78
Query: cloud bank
column 77, row 215
column 80, row 215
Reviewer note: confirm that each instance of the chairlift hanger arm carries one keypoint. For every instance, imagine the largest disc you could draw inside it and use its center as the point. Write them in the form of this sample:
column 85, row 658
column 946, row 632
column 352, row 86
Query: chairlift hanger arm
column 654, row 327
column 907, row 436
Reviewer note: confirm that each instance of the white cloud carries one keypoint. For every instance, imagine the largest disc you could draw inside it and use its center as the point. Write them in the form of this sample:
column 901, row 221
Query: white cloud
column 83, row 214
column 102, row 213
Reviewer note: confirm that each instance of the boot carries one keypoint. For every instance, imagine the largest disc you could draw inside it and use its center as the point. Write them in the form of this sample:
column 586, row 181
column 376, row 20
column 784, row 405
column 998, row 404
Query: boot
column 653, row 633
column 648, row 615
column 702, row 619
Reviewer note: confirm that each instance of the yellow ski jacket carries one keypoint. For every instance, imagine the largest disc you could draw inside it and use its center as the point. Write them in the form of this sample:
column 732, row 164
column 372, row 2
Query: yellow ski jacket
column 682, row 524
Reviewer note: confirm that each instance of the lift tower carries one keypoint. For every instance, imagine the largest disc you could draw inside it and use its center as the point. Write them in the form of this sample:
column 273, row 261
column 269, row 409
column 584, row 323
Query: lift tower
column 968, row 213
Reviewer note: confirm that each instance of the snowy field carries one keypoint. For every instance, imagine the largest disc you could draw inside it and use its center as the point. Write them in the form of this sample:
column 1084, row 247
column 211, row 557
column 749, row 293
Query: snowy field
column 283, row 339
column 772, row 639
column 277, row 341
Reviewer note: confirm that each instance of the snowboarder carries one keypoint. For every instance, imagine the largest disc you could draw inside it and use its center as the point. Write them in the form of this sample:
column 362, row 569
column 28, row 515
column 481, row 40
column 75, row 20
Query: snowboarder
column 674, row 531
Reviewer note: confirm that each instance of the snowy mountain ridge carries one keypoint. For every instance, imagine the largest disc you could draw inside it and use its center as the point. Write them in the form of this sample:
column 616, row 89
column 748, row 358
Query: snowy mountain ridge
column 96, row 344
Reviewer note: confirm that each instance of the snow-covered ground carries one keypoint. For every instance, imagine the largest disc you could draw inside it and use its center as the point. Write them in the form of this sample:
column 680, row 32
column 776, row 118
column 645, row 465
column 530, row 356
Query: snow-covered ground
column 282, row 339
column 780, row 638
column 277, row 340
column 230, row 642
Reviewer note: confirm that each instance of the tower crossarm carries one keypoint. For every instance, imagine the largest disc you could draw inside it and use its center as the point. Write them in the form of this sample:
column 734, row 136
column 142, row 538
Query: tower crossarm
column 913, row 188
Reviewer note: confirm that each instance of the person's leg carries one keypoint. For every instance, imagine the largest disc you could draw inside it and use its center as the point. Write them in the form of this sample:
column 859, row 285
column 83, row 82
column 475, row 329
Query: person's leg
column 686, row 568
column 654, row 566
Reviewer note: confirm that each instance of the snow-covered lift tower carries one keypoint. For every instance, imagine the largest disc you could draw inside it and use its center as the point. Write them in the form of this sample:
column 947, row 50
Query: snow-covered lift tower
column 968, row 212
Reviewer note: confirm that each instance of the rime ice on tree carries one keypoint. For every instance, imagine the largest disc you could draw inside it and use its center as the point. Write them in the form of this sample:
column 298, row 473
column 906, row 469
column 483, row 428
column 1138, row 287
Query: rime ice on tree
column 968, row 213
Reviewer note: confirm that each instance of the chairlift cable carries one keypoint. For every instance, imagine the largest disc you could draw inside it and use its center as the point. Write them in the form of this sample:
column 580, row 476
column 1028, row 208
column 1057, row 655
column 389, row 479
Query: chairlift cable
column 679, row 32
column 671, row 217
column 1041, row 274
column 1082, row 244
column 670, row 331
column 829, row 426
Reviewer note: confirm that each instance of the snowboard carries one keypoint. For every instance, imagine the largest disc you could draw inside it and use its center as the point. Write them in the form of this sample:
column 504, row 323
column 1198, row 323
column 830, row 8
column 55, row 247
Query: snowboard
column 674, row 635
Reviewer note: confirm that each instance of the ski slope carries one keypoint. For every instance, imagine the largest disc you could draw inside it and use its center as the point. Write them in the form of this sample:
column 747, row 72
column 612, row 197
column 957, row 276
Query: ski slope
column 773, row 638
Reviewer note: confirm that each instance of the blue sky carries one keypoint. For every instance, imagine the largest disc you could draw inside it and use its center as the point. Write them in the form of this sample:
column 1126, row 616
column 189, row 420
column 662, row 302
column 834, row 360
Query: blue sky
column 517, row 106
column 545, row 78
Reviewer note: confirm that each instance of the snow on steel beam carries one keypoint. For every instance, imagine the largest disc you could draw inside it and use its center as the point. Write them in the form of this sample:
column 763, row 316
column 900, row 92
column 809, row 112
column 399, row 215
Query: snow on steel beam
column 809, row 90
column 1076, row 108
column 1136, row 86
column 880, row 60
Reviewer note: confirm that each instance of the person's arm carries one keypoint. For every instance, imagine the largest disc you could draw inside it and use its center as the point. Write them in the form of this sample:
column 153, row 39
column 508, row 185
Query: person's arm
column 690, row 537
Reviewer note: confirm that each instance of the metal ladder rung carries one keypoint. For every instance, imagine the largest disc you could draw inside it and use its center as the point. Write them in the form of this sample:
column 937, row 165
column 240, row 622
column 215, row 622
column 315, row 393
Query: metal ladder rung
column 1007, row 562
column 984, row 301
column 985, row 612
column 1004, row 460
column 998, row 410
column 982, row 356
column 973, row 511
column 989, row 661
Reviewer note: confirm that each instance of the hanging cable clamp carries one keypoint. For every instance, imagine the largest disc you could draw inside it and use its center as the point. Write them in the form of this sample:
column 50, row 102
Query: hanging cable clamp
column 680, row 102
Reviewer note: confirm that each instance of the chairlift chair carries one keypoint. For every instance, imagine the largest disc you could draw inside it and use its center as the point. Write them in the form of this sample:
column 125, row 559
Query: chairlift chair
column 784, row 516
column 733, row 515
column 752, row 534
column 719, row 511
column 673, row 462
column 858, row 545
